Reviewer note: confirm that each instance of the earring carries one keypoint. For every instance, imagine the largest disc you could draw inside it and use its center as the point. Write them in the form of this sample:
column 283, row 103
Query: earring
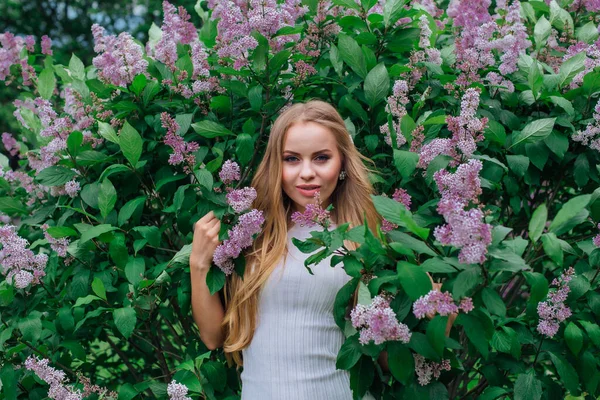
column 342, row 175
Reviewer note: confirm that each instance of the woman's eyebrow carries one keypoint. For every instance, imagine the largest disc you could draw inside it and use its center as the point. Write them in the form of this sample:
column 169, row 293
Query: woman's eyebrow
column 316, row 152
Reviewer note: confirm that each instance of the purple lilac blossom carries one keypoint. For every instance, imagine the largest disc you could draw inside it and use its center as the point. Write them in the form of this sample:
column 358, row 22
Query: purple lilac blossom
column 597, row 238
column 182, row 150
column 10, row 144
column 240, row 237
column 552, row 311
column 319, row 29
column 177, row 391
column 176, row 29
column 313, row 214
column 426, row 370
column 377, row 322
column 589, row 5
column 46, row 45
column 401, row 196
column 436, row 302
column 396, row 105
column 119, row 58
column 55, row 378
column 72, row 188
column 591, row 135
column 18, row 263
column 230, row 172
column 10, row 54
column 241, row 199
column 58, row 245
column 592, row 52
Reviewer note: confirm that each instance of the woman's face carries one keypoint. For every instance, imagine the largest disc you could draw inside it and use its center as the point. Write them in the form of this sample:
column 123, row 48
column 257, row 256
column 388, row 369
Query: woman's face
column 311, row 163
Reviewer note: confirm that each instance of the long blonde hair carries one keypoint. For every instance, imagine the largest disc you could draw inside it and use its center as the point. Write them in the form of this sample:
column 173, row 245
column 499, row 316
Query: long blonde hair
column 351, row 198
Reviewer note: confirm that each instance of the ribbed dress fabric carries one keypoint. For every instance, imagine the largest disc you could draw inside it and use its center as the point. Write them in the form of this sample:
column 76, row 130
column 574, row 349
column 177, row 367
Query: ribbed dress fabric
column 295, row 345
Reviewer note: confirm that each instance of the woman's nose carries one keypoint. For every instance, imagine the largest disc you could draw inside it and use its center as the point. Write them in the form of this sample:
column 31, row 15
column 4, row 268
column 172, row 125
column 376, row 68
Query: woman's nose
column 307, row 170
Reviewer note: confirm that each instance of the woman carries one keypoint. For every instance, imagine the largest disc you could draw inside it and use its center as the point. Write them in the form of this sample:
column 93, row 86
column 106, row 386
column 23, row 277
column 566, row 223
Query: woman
column 279, row 316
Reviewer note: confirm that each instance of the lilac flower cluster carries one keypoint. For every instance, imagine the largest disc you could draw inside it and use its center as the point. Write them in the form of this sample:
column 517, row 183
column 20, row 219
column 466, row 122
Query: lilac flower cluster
column 466, row 130
column 20, row 266
column 11, row 47
column 25, row 181
column 78, row 111
column 55, row 378
column 597, row 238
column 313, row 214
column 320, row 29
column 176, row 28
column 591, row 135
column 238, row 18
column 230, row 172
column 396, row 105
column 592, row 60
column 241, row 199
column 464, row 228
column 58, row 245
column 89, row 388
column 46, row 45
column 427, row 370
column 183, row 151
column 401, row 196
column 432, row 54
column 553, row 310
column 377, row 322
column 436, row 302
column 177, row 391
column 240, row 237
column 10, row 144
column 119, row 58
column 589, row 5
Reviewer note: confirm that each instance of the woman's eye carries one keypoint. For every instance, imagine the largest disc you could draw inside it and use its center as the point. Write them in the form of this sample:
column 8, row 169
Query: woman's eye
column 289, row 158
column 322, row 158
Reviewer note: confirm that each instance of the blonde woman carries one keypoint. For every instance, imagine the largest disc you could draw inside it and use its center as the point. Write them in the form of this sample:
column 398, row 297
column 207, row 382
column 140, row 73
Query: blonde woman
column 280, row 317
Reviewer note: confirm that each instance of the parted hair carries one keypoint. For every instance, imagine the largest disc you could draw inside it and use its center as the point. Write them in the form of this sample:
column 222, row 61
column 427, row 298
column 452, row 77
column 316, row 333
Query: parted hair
column 351, row 200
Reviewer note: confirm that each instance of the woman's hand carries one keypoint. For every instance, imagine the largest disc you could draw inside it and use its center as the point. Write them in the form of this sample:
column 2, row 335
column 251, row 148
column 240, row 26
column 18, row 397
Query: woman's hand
column 206, row 240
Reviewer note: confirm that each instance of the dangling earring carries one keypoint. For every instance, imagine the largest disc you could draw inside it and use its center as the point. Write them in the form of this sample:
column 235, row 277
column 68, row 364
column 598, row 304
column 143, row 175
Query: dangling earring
column 342, row 175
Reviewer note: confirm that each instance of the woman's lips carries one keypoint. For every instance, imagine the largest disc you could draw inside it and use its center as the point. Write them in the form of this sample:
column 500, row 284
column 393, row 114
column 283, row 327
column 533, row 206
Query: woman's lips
column 308, row 192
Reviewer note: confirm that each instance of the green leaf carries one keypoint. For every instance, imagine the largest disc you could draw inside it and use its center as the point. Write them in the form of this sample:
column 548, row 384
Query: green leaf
column 569, row 211
column 74, row 143
column 9, row 382
column 574, row 337
column 129, row 208
column 436, row 333
column 96, row 231
column 587, row 33
column 342, row 299
column 244, row 148
column 412, row 243
column 134, row 270
column 46, row 83
column 538, row 222
column 552, row 248
column 352, row 55
column 58, row 232
column 125, row 320
column 495, row 132
column 541, row 32
column 12, row 206
column 76, row 68
column 55, row 176
column 107, row 132
column 563, row 103
column 138, row 84
column 527, row 387
column 215, row 279
column 106, row 198
column 401, row 361
column 466, row 281
column 571, row 67
column 539, row 286
column 405, row 161
column 396, row 213
column 349, row 353
column 215, row 373
column 581, row 172
column 593, row 331
column 131, row 144
column 30, row 327
column 557, row 143
column 475, row 332
column 534, row 131
column 82, row 301
column 98, row 288
column 493, row 302
column 518, row 164
column 414, row 280
column 566, row 372
column 377, row 85
column 210, row 129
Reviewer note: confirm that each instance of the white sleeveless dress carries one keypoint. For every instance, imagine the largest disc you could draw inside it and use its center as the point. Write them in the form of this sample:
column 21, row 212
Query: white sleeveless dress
column 293, row 352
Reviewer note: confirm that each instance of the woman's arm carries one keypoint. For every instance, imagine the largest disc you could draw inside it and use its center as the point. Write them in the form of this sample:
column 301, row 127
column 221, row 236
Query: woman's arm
column 207, row 309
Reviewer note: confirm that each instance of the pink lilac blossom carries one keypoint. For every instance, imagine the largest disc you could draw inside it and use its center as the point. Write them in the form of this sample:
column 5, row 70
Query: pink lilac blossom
column 320, row 30
column 430, row 6
column 436, row 302
column 72, row 188
column 77, row 110
column 230, row 172
column 55, row 378
column 58, row 245
column 591, row 135
column 240, row 237
column 176, row 29
column 10, row 54
column 20, row 266
column 119, row 58
column 552, row 311
column 589, row 5
column 238, row 18
column 46, row 45
column 427, row 370
column 597, row 238
column 241, row 199
column 10, row 144
column 592, row 59
column 499, row 83
column 377, row 322
column 396, row 105
column 183, row 151
column 177, row 391
column 313, row 214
